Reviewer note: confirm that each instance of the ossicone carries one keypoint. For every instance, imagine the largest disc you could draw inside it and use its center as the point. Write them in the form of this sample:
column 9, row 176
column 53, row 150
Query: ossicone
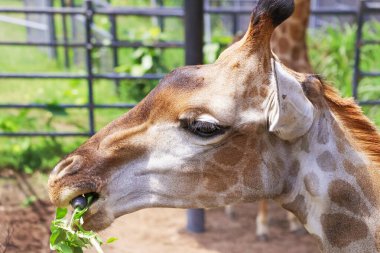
column 276, row 10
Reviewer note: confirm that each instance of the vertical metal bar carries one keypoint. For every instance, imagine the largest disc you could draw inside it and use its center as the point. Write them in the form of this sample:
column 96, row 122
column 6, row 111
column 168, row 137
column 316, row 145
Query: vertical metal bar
column 161, row 22
column 194, row 32
column 115, row 56
column 90, row 78
column 235, row 24
column 357, row 71
column 194, row 55
column 65, row 40
column 74, row 33
column 207, row 20
column 235, row 19
column 52, row 32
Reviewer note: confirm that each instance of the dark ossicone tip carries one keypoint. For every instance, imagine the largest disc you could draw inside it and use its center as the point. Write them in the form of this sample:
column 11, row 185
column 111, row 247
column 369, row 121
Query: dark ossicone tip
column 277, row 10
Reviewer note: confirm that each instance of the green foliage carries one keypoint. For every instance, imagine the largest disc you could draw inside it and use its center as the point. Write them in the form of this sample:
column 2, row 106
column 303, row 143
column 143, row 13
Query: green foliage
column 143, row 61
column 69, row 236
column 213, row 49
column 331, row 52
column 29, row 201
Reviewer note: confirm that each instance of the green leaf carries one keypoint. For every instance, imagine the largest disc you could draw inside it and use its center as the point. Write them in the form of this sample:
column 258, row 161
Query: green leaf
column 79, row 213
column 53, row 237
column 122, row 69
column 111, row 240
column 56, row 110
column 29, row 201
column 57, row 236
column 77, row 250
column 66, row 248
column 137, row 70
column 60, row 213
column 147, row 62
column 138, row 53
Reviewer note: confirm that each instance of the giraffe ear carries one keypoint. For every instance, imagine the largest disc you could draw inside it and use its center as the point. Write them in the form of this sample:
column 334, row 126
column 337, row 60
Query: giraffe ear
column 290, row 114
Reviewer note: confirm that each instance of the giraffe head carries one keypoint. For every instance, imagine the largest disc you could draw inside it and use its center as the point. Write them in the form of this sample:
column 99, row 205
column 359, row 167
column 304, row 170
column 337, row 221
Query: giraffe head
column 200, row 139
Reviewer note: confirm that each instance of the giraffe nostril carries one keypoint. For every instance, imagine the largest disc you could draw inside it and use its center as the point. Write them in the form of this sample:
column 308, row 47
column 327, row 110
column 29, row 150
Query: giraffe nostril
column 68, row 166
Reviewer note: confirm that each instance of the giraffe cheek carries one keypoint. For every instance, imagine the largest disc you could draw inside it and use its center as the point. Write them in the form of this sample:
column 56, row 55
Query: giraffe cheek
column 252, row 178
column 228, row 156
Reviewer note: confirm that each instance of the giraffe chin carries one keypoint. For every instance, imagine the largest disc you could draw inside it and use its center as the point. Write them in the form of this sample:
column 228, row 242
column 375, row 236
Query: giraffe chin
column 98, row 217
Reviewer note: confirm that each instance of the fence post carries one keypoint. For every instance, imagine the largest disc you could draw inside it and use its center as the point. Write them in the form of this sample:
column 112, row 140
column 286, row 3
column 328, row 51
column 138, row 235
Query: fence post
column 90, row 78
column 194, row 55
column 52, row 32
column 65, row 37
column 115, row 49
column 357, row 71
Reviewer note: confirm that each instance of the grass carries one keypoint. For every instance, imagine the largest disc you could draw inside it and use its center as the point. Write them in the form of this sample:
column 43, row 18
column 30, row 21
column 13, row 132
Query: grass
column 331, row 52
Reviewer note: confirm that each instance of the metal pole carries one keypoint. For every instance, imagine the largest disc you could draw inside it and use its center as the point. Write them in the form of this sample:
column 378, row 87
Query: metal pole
column 52, row 32
column 194, row 55
column 115, row 55
column 357, row 71
column 65, row 37
column 90, row 77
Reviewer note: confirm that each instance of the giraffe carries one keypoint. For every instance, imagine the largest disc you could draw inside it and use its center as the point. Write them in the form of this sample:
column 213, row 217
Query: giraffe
column 242, row 129
column 289, row 39
column 288, row 42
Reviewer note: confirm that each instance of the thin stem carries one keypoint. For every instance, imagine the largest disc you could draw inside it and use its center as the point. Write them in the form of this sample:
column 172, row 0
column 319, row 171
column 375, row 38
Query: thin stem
column 72, row 218
column 96, row 245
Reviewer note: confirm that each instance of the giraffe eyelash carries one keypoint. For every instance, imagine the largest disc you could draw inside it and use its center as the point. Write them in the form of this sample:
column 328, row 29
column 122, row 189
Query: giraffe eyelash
column 203, row 129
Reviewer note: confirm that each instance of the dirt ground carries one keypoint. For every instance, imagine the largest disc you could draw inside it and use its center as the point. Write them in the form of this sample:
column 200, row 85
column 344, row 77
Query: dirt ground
column 25, row 228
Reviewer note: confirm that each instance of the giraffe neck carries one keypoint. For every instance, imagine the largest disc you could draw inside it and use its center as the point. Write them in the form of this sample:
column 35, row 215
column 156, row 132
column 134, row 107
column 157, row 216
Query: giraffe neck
column 289, row 39
column 332, row 189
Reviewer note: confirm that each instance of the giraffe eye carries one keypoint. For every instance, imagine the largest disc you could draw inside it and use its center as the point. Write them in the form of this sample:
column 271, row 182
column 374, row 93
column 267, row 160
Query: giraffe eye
column 202, row 128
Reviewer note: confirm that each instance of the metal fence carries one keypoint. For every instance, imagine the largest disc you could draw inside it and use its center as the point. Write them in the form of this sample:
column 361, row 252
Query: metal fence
column 367, row 8
column 87, row 12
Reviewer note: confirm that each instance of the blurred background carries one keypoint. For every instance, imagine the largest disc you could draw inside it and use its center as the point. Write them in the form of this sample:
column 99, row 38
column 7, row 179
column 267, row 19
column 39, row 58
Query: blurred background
column 68, row 67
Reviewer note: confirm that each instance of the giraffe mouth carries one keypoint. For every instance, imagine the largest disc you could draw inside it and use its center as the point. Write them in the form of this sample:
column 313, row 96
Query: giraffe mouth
column 85, row 200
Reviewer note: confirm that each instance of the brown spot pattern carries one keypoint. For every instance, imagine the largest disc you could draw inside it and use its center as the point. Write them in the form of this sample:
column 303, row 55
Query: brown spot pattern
column 263, row 92
column 217, row 179
column 272, row 139
column 229, row 156
column 363, row 180
column 318, row 241
column 287, row 188
column 341, row 229
column 298, row 208
column 294, row 168
column 240, row 140
column 305, row 144
column 377, row 238
column 326, row 161
column 283, row 45
column 341, row 146
column 252, row 177
column 236, row 65
column 338, row 131
column 323, row 132
column 345, row 195
column 311, row 182
column 296, row 53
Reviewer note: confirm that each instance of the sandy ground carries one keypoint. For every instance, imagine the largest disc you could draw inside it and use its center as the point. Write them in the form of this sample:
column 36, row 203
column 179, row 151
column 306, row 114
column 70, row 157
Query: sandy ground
column 25, row 229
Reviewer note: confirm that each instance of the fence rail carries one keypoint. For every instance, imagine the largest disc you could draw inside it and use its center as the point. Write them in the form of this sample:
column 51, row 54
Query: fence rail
column 88, row 12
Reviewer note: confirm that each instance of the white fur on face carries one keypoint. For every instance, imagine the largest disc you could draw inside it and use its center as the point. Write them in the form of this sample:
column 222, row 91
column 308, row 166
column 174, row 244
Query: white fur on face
column 159, row 178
